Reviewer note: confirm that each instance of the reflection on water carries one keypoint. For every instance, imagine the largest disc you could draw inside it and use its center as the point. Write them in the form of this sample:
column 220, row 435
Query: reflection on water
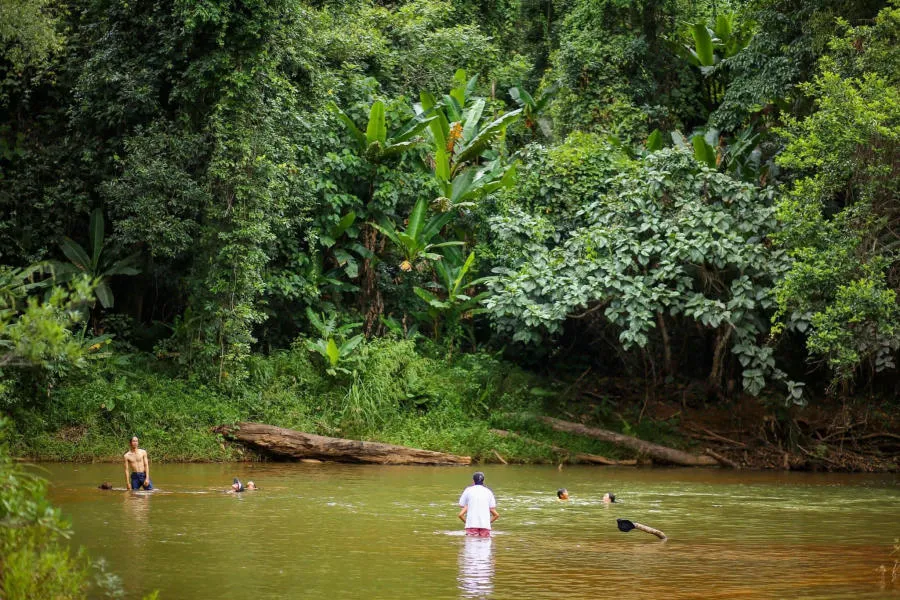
column 333, row 532
column 476, row 568
column 137, row 511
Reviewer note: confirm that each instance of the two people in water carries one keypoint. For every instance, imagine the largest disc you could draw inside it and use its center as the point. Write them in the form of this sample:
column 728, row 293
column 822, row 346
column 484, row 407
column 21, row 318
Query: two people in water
column 237, row 486
column 562, row 494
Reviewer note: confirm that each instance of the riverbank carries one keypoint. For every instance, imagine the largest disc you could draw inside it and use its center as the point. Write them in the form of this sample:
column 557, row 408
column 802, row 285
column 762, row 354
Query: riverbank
column 474, row 404
column 397, row 394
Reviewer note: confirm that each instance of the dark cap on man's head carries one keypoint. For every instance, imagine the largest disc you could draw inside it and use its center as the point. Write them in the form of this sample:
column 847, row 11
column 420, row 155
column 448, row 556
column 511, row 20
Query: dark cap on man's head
column 235, row 480
column 478, row 478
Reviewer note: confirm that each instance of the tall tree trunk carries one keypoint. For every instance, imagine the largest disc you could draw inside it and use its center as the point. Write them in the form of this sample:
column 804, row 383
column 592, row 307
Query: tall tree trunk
column 718, row 366
column 370, row 301
column 668, row 365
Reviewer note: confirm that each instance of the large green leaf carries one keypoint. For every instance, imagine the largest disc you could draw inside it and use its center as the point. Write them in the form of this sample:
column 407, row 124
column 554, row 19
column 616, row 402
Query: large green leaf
column 462, row 273
column 104, row 294
column 441, row 163
column 654, row 141
column 430, row 298
column 345, row 222
column 376, row 131
column 350, row 345
column 435, row 224
column 458, row 92
column 315, row 320
column 703, row 151
column 703, row 45
column 470, row 87
column 521, row 97
column 486, row 136
column 453, row 107
column 417, row 218
column 358, row 135
column 332, row 352
column 398, row 148
column 75, row 253
column 415, row 126
column 389, row 230
column 723, row 26
column 462, row 184
column 409, row 245
column 471, row 118
column 439, row 126
column 96, row 237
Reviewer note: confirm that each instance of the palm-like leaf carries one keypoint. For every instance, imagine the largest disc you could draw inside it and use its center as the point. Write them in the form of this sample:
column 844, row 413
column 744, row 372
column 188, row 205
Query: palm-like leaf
column 358, row 135
column 96, row 237
column 376, row 131
column 76, row 254
column 480, row 142
column 703, row 45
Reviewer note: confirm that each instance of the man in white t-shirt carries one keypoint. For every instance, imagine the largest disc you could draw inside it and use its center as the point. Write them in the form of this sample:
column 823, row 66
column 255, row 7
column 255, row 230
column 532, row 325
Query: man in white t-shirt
column 479, row 507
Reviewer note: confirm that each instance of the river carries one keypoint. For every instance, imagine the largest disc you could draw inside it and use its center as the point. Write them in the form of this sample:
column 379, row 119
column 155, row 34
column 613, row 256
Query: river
column 346, row 531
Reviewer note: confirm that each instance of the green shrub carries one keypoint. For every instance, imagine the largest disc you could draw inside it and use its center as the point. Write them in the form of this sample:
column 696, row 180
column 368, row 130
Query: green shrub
column 35, row 562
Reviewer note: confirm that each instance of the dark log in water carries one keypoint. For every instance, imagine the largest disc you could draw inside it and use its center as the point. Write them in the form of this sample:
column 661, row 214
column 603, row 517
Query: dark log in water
column 298, row 445
column 654, row 451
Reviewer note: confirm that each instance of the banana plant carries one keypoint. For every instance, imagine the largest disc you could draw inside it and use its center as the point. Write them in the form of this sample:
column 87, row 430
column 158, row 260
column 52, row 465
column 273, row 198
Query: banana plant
column 712, row 45
column 532, row 107
column 97, row 265
column 454, row 304
column 415, row 241
column 375, row 141
column 333, row 345
column 461, row 138
column 740, row 155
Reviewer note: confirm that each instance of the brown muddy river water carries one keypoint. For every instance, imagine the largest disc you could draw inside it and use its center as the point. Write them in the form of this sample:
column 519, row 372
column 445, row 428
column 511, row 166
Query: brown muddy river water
column 342, row 531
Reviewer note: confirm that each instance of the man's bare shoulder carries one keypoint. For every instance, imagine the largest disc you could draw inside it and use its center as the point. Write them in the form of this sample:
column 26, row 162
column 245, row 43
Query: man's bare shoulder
column 142, row 452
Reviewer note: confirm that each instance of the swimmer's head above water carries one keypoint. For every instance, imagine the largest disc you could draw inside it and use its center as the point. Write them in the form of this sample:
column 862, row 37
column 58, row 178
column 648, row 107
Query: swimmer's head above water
column 609, row 498
column 562, row 494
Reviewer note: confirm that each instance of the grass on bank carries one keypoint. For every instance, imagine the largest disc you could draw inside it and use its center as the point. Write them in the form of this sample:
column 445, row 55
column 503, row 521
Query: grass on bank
column 398, row 394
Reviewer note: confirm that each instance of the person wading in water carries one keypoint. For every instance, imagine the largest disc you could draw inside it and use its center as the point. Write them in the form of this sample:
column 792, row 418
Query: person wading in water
column 137, row 467
column 479, row 507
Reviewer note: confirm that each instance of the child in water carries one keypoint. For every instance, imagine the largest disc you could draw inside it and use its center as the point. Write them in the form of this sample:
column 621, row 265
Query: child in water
column 562, row 494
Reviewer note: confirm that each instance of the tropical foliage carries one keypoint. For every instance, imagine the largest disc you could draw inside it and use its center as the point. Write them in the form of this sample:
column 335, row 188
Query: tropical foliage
column 669, row 191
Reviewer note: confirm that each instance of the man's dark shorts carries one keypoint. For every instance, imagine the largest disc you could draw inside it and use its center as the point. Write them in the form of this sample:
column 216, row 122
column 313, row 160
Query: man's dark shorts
column 137, row 480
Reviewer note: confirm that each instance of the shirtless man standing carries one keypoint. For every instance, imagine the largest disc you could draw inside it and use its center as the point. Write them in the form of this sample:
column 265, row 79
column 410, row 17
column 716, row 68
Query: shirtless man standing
column 138, row 464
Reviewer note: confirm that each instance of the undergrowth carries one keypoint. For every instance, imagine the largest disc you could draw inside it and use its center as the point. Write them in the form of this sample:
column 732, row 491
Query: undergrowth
column 398, row 393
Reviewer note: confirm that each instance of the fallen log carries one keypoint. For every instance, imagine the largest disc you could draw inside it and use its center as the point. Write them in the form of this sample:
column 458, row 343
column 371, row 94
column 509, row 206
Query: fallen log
column 299, row 445
column 654, row 451
column 580, row 456
column 723, row 460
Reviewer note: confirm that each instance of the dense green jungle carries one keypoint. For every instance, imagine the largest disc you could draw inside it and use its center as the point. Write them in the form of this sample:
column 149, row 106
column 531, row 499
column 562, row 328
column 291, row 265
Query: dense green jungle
column 427, row 222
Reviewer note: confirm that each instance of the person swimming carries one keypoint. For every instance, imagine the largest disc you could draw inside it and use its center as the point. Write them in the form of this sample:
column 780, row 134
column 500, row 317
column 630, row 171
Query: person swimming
column 562, row 494
column 609, row 498
column 237, row 486
column 251, row 486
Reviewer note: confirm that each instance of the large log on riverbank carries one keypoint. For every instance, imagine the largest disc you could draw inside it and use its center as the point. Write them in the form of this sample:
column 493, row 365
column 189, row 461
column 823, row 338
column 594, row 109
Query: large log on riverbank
column 654, row 451
column 296, row 444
